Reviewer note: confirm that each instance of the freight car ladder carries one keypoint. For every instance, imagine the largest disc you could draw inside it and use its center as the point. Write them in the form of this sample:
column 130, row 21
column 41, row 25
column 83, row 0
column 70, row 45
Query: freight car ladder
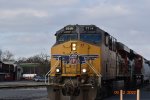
column 49, row 72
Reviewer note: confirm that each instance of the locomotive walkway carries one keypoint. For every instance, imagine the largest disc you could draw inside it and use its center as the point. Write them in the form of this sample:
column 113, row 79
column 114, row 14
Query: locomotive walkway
column 21, row 84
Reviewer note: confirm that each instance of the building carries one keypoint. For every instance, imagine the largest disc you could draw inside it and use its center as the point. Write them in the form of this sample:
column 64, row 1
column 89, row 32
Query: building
column 32, row 69
column 10, row 71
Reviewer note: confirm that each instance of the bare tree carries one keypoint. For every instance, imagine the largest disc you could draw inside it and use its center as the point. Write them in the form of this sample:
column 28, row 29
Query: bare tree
column 38, row 64
column 21, row 60
column 40, row 58
column 7, row 56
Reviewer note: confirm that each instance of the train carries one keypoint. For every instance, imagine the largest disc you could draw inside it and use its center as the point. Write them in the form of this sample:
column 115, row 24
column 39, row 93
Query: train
column 87, row 63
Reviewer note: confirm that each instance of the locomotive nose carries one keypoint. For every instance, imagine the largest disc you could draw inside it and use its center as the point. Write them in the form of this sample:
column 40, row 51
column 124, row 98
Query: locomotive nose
column 78, row 47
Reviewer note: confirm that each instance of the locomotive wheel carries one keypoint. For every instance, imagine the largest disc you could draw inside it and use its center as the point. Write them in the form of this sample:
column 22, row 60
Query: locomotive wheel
column 109, row 91
column 100, row 94
column 76, row 91
column 105, row 92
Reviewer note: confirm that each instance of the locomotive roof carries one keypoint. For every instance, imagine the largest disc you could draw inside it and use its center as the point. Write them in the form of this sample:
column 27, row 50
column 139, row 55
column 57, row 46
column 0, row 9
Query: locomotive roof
column 80, row 29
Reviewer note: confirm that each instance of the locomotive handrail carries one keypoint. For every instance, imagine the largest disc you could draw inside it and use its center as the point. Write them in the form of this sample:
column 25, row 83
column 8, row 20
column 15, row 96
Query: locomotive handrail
column 49, row 72
column 98, row 74
column 91, row 66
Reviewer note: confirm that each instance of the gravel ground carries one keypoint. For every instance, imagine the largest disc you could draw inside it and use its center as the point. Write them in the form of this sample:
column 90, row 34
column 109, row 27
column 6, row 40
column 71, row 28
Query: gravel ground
column 41, row 93
column 18, row 83
column 24, row 94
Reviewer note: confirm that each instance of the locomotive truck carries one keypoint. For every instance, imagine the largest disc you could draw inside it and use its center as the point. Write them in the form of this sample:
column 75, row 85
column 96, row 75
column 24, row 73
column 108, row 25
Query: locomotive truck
column 87, row 63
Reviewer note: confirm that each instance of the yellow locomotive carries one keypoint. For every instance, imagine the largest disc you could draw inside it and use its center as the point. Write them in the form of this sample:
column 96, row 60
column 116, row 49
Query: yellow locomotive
column 87, row 64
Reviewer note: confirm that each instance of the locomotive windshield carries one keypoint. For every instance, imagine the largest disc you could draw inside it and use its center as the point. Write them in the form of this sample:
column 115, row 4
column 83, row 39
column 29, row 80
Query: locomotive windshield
column 67, row 37
column 91, row 38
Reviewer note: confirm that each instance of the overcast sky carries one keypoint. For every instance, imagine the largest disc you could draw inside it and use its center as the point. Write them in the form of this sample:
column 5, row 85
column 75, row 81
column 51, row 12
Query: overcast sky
column 27, row 27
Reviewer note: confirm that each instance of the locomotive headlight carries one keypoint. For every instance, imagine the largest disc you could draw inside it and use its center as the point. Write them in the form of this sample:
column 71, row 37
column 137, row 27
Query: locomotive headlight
column 74, row 46
column 84, row 70
column 57, row 70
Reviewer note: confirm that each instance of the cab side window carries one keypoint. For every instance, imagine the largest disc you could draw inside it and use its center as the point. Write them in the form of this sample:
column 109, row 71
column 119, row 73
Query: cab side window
column 110, row 42
column 106, row 39
column 114, row 44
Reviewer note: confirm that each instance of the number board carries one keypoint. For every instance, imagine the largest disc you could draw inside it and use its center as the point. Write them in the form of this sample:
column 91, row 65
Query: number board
column 89, row 28
column 69, row 28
